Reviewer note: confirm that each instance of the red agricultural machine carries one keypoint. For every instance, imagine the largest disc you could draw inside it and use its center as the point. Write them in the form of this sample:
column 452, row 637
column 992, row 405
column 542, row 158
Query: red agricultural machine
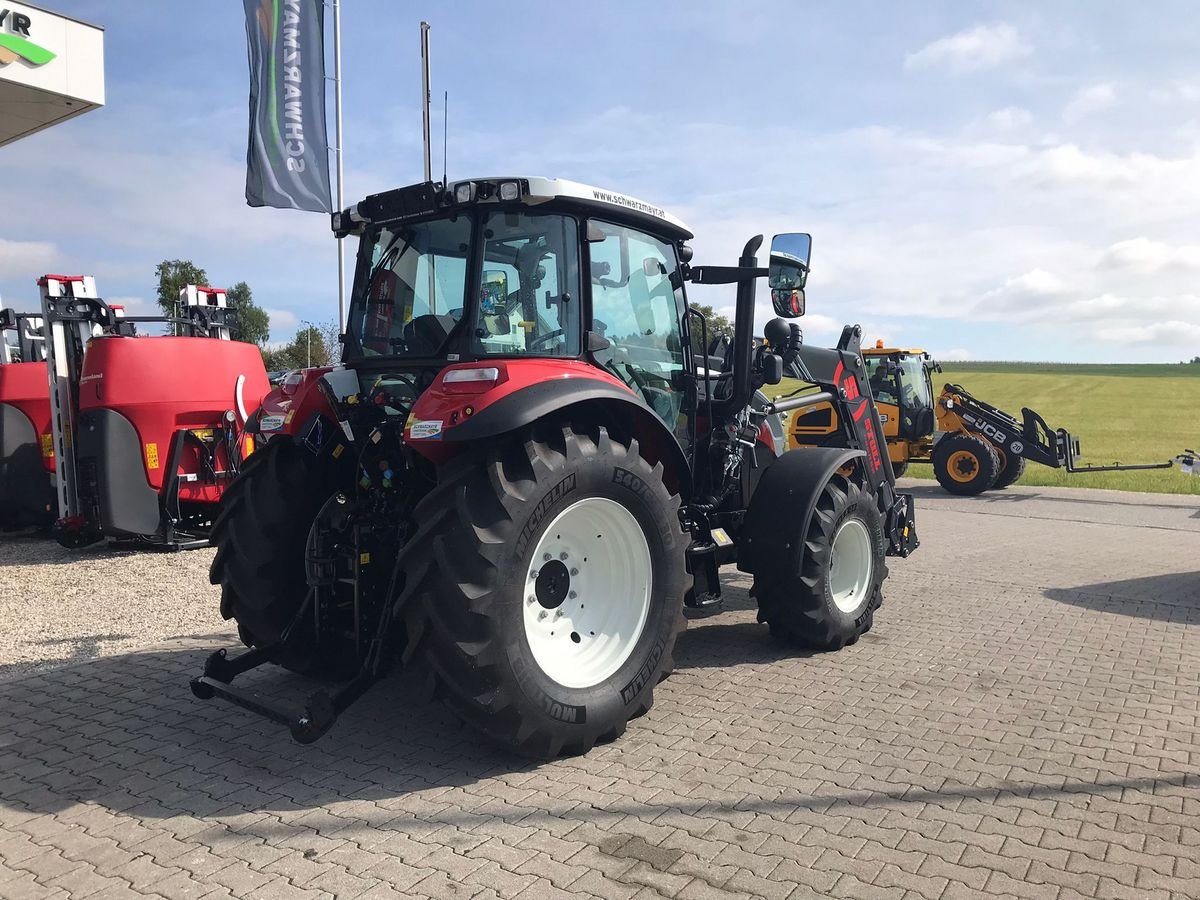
column 141, row 432
column 522, row 474
column 27, row 497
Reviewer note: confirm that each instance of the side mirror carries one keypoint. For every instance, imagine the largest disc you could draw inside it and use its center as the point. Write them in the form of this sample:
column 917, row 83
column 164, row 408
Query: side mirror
column 788, row 273
column 652, row 266
column 8, row 319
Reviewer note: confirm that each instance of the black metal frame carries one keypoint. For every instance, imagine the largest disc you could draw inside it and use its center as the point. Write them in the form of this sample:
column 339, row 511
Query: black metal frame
column 1030, row 438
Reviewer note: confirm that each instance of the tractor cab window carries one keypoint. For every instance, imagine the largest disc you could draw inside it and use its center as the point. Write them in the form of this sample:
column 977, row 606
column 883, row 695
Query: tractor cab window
column 529, row 289
column 409, row 288
column 916, row 392
column 635, row 308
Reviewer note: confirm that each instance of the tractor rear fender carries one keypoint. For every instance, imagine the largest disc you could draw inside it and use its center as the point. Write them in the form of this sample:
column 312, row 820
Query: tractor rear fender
column 772, row 535
column 442, row 424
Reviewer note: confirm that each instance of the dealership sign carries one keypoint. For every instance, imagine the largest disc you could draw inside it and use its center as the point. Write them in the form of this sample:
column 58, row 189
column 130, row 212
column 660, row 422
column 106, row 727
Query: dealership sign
column 15, row 42
column 51, row 69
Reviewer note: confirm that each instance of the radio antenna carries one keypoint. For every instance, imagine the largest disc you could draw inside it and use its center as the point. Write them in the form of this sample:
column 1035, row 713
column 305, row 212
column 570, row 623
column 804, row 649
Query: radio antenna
column 445, row 132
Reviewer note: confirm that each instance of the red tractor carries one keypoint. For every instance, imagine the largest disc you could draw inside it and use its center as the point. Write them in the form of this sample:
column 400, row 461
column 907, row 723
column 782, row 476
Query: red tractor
column 26, row 437
column 521, row 473
column 147, row 430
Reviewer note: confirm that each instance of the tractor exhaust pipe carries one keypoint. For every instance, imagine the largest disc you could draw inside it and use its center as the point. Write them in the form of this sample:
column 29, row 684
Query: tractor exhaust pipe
column 743, row 329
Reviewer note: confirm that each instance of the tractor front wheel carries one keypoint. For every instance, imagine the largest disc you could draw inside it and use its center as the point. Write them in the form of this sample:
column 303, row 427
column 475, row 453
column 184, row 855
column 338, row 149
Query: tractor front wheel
column 965, row 464
column 554, row 598
column 260, row 534
column 831, row 602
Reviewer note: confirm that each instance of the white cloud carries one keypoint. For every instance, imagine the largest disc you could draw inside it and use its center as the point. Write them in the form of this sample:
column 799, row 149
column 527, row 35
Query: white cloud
column 1179, row 90
column 1090, row 100
column 1010, row 118
column 1172, row 333
column 1148, row 257
column 26, row 259
column 956, row 355
column 282, row 320
column 972, row 50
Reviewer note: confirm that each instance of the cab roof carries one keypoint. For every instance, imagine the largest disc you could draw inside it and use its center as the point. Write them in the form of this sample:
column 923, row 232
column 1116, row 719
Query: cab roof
column 880, row 350
column 431, row 197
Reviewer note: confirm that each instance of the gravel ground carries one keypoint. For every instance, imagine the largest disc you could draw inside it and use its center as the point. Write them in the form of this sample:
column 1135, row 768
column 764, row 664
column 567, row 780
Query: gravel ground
column 61, row 606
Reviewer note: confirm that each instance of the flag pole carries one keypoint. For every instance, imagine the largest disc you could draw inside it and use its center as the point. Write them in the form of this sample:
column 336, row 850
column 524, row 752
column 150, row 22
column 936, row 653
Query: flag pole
column 337, row 117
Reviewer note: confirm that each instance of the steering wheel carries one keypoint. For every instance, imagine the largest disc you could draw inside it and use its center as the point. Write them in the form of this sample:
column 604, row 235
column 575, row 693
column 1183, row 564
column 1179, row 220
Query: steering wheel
column 545, row 338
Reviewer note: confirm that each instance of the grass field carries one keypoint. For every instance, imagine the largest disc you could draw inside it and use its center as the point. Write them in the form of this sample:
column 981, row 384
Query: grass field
column 1130, row 414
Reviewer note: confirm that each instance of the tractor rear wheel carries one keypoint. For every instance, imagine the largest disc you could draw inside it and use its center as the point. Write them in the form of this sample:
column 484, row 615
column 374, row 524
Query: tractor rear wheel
column 1012, row 467
column 260, row 534
column 554, row 597
column 965, row 464
column 831, row 602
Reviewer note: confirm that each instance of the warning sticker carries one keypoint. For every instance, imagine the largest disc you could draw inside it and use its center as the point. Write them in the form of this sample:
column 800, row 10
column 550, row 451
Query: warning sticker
column 48, row 446
column 152, row 456
column 424, row 429
column 270, row 423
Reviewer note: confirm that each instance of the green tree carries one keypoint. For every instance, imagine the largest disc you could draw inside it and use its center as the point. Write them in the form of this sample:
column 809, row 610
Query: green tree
column 306, row 349
column 250, row 322
column 173, row 276
column 717, row 324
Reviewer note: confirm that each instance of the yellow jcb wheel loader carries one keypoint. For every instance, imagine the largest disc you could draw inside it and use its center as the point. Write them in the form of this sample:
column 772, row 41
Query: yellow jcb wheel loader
column 972, row 445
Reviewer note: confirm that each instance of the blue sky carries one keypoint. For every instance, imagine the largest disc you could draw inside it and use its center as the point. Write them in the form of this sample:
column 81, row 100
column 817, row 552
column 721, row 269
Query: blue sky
column 988, row 180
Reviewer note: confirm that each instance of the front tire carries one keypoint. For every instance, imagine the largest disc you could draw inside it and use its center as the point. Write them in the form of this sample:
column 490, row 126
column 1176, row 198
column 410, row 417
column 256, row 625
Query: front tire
column 1012, row 467
column 260, row 534
column 831, row 602
column 965, row 464
column 554, row 597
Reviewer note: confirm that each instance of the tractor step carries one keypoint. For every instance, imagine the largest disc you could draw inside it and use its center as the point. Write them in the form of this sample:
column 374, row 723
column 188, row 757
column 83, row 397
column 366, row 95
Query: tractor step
column 320, row 710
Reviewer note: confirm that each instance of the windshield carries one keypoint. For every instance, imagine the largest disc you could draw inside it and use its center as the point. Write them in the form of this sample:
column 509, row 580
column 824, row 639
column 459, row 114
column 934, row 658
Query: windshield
column 413, row 279
column 915, row 384
column 409, row 290
column 906, row 386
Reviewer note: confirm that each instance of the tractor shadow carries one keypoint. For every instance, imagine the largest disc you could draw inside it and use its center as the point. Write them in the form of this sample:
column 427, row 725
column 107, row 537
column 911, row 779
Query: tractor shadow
column 1172, row 597
column 125, row 732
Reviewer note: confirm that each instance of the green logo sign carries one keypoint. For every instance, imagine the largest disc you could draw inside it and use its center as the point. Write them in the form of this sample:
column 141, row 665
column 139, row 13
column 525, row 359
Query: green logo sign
column 15, row 43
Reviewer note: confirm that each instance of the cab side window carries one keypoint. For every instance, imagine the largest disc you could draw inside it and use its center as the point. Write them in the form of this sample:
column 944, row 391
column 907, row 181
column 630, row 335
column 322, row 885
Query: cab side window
column 636, row 309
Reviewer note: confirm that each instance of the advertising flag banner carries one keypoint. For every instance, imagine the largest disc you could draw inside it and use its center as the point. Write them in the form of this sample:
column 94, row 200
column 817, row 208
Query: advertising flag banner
column 287, row 161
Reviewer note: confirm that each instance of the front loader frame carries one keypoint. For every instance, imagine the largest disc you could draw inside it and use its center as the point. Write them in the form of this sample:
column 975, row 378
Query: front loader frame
column 1030, row 438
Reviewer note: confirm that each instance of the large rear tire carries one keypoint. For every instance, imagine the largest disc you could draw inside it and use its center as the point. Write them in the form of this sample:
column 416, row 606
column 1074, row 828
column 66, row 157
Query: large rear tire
column 965, row 464
column 831, row 602
column 554, row 596
column 1012, row 467
column 260, row 534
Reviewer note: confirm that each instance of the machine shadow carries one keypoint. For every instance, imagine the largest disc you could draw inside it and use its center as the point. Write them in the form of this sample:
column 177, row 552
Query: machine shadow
column 1172, row 597
column 126, row 733
column 932, row 490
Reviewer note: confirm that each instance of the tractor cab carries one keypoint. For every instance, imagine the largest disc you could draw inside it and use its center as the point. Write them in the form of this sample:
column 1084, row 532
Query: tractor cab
column 26, row 439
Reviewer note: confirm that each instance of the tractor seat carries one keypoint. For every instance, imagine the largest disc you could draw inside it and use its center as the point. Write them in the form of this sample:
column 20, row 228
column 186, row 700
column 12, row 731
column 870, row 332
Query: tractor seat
column 425, row 334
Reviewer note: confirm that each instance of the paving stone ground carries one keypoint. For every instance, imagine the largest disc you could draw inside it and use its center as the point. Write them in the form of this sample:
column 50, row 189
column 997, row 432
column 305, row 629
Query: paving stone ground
column 1022, row 722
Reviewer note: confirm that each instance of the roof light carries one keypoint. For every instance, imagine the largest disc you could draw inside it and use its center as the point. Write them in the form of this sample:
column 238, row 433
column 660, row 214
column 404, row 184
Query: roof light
column 464, row 192
column 509, row 190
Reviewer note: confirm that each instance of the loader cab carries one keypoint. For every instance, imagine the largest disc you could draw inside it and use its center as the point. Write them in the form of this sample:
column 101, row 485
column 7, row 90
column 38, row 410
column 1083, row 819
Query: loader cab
column 902, row 385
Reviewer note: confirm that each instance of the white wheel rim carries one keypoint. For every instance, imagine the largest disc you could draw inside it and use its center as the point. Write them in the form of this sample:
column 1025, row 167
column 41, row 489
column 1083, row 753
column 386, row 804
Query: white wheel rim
column 587, row 592
column 851, row 566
